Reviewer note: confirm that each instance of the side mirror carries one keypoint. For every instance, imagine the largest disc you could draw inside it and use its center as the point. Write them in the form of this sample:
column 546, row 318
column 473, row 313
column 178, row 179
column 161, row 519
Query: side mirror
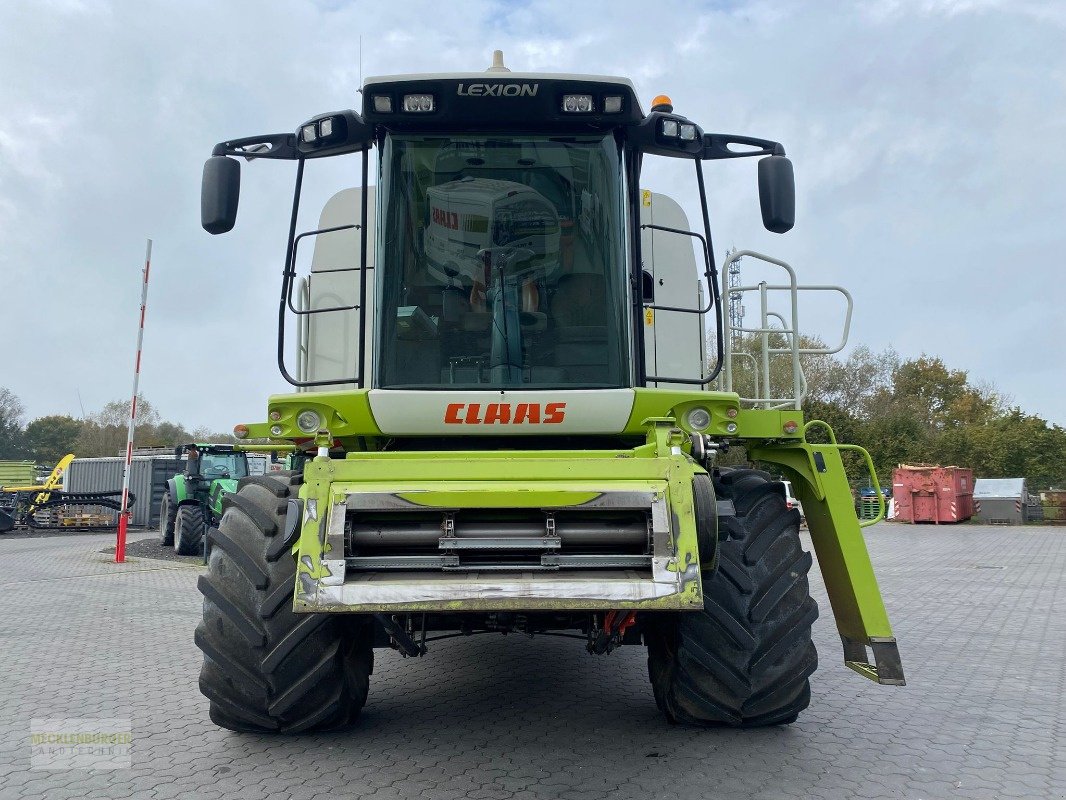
column 219, row 194
column 777, row 193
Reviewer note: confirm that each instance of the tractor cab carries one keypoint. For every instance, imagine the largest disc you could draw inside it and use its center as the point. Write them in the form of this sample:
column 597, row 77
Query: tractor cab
column 501, row 241
column 211, row 462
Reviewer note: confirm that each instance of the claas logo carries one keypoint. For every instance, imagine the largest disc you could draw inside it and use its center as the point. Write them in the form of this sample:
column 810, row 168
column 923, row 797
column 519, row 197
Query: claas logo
column 504, row 413
column 446, row 219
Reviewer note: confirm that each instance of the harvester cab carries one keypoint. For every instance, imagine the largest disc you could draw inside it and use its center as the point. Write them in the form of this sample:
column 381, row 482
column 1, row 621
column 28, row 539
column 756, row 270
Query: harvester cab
column 192, row 500
column 511, row 420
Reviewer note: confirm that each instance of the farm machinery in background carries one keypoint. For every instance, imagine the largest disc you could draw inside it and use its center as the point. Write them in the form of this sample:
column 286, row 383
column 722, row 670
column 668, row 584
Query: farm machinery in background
column 47, row 507
column 192, row 499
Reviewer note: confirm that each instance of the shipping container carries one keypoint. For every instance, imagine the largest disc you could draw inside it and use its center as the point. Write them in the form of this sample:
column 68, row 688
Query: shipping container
column 926, row 493
column 1001, row 501
column 148, row 476
column 17, row 473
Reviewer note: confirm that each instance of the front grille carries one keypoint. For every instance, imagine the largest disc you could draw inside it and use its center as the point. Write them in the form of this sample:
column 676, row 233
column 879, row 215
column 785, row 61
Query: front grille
column 523, row 539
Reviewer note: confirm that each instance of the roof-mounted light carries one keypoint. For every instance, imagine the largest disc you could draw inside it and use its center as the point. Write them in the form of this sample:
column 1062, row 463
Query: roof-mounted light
column 688, row 132
column 577, row 103
column 325, row 130
column 670, row 128
column 612, row 104
column 383, row 103
column 662, row 103
column 418, row 103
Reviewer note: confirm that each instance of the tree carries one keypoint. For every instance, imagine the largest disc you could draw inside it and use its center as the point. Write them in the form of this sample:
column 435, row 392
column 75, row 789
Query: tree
column 204, row 434
column 104, row 433
column 50, row 438
column 170, row 434
column 12, row 438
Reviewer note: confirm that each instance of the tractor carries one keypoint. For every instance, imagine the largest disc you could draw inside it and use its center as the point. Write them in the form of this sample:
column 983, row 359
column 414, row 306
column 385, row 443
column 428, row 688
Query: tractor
column 513, row 416
column 192, row 500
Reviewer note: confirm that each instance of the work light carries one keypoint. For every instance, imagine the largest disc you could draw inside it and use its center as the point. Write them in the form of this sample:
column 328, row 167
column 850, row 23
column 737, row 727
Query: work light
column 418, row 103
column 577, row 103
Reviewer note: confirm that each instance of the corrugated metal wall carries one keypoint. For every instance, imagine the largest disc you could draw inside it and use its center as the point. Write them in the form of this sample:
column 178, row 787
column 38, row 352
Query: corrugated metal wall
column 17, row 473
column 147, row 477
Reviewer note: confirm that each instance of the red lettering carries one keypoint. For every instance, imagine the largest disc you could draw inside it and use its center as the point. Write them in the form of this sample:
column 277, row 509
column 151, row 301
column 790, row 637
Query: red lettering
column 498, row 412
column 526, row 412
column 446, row 219
column 472, row 412
column 554, row 412
column 451, row 414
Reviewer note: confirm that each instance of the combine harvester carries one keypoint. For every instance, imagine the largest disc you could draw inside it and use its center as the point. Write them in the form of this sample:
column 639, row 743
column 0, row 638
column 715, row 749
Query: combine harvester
column 506, row 407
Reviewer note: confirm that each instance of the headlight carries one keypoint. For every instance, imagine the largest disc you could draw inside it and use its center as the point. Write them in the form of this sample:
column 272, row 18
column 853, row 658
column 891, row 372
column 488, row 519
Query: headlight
column 698, row 418
column 276, row 430
column 308, row 421
column 577, row 103
column 418, row 103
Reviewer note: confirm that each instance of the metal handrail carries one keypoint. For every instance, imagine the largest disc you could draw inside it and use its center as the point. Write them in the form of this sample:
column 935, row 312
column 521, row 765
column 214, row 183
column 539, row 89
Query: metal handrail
column 869, row 466
column 789, row 328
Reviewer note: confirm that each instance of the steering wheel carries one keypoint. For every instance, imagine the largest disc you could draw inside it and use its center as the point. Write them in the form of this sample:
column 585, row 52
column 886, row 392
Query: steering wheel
column 218, row 469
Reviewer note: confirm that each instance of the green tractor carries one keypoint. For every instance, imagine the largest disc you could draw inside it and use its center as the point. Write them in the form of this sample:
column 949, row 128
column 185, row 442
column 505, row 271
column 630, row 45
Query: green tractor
column 510, row 420
column 192, row 501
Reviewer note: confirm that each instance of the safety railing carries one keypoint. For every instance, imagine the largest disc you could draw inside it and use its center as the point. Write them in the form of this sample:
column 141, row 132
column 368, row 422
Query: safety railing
column 865, row 522
column 789, row 329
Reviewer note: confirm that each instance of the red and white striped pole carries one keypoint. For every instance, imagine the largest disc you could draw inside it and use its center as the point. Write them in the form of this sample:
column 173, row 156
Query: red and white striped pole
column 124, row 515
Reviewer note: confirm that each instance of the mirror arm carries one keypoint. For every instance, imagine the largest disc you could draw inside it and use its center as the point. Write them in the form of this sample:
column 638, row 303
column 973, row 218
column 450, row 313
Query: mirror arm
column 716, row 146
column 275, row 145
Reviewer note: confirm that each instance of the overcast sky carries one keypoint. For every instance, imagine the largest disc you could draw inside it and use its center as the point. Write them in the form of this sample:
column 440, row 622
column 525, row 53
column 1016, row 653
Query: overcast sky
column 927, row 137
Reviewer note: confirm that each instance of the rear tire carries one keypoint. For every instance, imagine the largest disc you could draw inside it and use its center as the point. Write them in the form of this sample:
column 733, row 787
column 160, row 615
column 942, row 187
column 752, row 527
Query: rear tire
column 266, row 668
column 189, row 530
column 168, row 515
column 745, row 659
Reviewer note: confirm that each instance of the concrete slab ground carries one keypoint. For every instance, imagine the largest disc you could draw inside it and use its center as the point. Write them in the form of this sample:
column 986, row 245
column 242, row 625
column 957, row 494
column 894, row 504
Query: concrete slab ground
column 980, row 614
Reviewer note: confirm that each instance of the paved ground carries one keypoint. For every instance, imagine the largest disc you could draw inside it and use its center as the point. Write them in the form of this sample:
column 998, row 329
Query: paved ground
column 980, row 614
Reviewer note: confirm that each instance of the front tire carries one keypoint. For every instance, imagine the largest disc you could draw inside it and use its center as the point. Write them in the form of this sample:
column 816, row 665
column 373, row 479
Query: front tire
column 266, row 668
column 189, row 530
column 745, row 659
column 168, row 515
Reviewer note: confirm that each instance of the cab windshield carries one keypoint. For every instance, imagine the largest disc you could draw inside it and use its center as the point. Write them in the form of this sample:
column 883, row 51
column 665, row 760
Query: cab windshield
column 223, row 465
column 501, row 263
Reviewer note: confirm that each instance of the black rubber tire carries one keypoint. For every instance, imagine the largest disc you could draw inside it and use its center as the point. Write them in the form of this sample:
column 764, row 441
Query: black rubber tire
column 189, row 530
column 267, row 669
column 168, row 515
column 745, row 660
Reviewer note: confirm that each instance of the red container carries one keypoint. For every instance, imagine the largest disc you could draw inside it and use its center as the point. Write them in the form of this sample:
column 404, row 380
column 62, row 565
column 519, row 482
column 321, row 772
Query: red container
column 924, row 493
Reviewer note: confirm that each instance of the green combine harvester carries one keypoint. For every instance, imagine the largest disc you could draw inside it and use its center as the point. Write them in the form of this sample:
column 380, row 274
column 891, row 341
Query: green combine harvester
column 509, row 417
column 192, row 501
